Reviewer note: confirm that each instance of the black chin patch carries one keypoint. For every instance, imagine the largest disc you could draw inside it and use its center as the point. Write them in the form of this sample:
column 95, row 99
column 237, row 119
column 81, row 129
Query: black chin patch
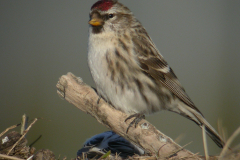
column 96, row 30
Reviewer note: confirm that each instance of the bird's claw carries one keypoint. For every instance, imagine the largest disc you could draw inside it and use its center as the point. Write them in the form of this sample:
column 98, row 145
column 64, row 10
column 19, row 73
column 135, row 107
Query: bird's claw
column 137, row 119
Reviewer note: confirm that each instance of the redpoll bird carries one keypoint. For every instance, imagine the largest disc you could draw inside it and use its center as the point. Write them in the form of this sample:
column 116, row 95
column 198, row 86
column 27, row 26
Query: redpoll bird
column 100, row 144
column 128, row 70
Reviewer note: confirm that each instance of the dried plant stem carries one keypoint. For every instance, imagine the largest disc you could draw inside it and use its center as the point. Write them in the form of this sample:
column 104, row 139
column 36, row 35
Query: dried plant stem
column 205, row 142
column 222, row 130
column 24, row 123
column 228, row 143
column 9, row 128
column 23, row 135
column 9, row 157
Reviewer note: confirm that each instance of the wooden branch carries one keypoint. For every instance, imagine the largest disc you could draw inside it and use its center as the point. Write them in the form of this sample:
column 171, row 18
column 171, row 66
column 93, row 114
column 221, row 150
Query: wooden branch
column 75, row 91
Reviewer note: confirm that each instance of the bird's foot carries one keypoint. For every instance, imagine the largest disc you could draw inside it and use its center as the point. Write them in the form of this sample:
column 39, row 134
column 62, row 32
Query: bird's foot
column 138, row 118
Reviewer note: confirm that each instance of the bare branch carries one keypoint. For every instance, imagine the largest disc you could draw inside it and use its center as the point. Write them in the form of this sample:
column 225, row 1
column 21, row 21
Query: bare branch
column 75, row 91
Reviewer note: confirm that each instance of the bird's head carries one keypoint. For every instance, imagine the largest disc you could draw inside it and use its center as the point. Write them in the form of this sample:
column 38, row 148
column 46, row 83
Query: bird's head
column 109, row 15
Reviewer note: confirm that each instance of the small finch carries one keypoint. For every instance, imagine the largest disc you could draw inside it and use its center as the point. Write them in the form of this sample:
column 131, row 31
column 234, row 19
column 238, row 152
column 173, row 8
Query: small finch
column 128, row 70
column 100, row 144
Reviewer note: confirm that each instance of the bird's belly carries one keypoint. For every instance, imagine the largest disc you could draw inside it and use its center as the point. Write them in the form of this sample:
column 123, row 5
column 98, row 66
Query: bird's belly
column 127, row 90
column 128, row 100
column 124, row 94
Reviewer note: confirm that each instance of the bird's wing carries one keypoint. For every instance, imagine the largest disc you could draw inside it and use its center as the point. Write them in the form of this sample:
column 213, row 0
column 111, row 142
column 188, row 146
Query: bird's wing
column 152, row 63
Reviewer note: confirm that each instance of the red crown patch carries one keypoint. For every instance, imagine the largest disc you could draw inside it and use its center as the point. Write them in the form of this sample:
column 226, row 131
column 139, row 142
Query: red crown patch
column 103, row 5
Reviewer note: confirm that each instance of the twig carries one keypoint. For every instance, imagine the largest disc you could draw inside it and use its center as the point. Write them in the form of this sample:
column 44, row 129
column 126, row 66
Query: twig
column 205, row 142
column 23, row 135
column 12, row 127
column 10, row 157
column 24, row 123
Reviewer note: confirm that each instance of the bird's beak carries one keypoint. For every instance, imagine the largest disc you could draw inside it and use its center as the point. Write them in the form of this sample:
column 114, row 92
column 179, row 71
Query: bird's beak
column 96, row 22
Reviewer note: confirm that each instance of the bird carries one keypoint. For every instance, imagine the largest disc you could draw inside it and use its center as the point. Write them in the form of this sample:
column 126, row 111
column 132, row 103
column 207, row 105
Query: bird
column 102, row 143
column 130, row 73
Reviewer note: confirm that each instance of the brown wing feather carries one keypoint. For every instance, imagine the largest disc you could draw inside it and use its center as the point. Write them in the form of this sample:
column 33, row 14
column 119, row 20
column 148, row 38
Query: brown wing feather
column 151, row 62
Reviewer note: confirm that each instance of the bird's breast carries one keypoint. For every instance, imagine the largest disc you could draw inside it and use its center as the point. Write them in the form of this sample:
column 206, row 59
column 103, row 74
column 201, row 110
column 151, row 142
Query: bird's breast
column 119, row 79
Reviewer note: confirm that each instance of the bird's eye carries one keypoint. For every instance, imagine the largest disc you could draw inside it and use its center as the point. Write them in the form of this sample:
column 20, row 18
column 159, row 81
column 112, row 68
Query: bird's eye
column 110, row 16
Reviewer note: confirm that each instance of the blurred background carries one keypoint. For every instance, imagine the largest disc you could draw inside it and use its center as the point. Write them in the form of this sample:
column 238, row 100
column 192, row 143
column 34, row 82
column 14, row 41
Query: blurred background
column 42, row 40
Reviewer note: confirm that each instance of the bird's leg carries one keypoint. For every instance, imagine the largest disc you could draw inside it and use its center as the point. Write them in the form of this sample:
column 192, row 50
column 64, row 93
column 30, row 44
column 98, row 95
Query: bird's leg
column 138, row 118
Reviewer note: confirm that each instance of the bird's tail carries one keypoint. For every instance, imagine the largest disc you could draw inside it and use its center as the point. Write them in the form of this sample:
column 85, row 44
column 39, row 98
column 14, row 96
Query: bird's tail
column 201, row 121
column 198, row 118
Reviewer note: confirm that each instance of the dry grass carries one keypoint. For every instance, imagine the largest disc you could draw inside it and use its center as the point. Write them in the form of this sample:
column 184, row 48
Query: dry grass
column 227, row 153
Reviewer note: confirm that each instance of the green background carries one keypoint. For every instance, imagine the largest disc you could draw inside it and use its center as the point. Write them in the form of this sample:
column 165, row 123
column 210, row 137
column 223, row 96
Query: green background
column 42, row 40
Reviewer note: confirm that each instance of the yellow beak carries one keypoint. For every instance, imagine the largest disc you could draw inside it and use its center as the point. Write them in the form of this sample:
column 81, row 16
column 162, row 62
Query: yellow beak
column 96, row 22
